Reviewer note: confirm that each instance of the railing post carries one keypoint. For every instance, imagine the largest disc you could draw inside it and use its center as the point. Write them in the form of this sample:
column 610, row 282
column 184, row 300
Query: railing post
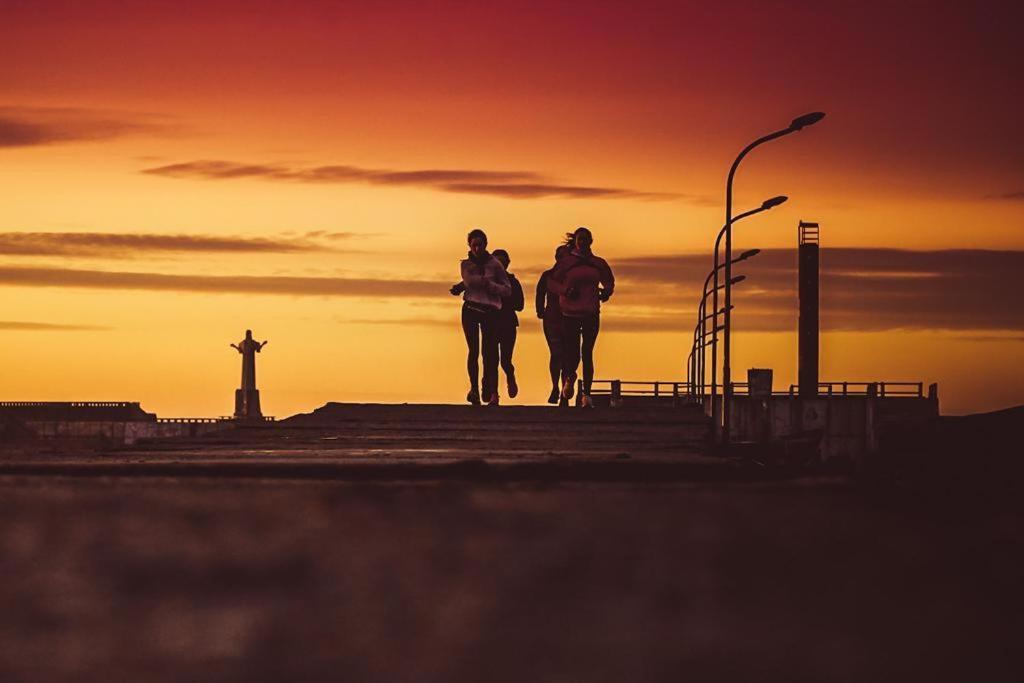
column 616, row 399
column 656, row 390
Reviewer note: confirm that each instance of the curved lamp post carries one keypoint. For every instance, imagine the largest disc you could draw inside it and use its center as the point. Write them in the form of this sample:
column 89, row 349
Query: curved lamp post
column 765, row 206
column 694, row 363
column 700, row 331
column 797, row 124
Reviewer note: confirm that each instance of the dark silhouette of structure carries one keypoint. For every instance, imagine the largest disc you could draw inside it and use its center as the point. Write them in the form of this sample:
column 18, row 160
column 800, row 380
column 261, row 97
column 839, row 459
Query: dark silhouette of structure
column 76, row 411
column 247, row 397
column 807, row 345
column 696, row 374
column 797, row 124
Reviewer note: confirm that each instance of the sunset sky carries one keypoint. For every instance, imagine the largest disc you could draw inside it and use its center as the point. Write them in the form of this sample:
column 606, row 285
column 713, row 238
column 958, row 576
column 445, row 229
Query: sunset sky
column 174, row 173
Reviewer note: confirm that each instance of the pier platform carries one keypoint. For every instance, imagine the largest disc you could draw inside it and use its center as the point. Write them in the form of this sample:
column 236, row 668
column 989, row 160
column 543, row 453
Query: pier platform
column 410, row 441
column 452, row 543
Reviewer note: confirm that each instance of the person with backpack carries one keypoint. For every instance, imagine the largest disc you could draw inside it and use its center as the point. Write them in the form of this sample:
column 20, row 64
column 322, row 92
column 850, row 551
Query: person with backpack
column 582, row 281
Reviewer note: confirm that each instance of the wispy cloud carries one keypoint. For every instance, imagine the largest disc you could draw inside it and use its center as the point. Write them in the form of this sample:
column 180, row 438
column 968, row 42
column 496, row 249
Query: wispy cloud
column 32, row 126
column 18, row 325
column 609, row 322
column 509, row 184
column 419, row 321
column 1012, row 196
column 127, row 245
column 861, row 289
column 991, row 338
column 220, row 284
column 540, row 190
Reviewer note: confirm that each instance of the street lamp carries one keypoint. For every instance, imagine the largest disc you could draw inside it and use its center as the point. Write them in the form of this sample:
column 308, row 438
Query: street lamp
column 766, row 205
column 695, row 364
column 795, row 125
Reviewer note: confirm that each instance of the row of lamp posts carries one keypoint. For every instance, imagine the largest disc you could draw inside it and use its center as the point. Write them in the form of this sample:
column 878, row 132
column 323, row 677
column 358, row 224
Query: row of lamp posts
column 702, row 336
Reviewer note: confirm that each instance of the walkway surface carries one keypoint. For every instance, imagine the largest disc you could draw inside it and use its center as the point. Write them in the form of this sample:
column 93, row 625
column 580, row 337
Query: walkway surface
column 362, row 441
column 447, row 543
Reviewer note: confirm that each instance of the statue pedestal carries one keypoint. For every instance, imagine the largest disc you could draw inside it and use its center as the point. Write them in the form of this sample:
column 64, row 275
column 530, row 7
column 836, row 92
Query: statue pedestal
column 247, row 404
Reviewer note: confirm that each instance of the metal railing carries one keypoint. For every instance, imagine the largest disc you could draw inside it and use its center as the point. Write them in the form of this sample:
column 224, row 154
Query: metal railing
column 914, row 389
column 879, row 389
column 743, row 389
column 656, row 388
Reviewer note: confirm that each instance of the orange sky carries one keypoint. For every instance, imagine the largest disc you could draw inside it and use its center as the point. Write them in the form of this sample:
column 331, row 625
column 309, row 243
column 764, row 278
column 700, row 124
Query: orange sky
column 310, row 170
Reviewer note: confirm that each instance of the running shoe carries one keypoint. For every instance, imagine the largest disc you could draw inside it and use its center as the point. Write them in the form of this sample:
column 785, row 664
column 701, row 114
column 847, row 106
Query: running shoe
column 555, row 394
column 473, row 397
column 585, row 401
column 569, row 386
column 494, row 399
column 513, row 388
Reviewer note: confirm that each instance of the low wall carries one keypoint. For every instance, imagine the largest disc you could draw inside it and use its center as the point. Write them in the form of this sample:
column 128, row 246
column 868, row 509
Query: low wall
column 75, row 411
column 120, row 432
column 845, row 426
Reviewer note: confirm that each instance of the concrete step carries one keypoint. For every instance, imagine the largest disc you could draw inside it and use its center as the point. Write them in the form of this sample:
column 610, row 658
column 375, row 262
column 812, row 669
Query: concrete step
column 375, row 431
column 411, row 414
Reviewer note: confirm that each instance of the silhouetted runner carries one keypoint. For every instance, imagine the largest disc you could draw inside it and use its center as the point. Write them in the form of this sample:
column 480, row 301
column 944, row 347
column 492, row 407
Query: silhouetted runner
column 550, row 313
column 508, row 321
column 483, row 284
column 576, row 279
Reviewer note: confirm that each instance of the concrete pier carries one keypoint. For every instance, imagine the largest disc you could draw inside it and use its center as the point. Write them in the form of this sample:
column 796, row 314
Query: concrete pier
column 517, row 544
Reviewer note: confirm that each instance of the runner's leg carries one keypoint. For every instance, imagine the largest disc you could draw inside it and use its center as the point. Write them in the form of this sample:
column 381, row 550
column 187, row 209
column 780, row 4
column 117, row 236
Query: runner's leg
column 553, row 336
column 590, row 326
column 489, row 334
column 471, row 328
column 571, row 333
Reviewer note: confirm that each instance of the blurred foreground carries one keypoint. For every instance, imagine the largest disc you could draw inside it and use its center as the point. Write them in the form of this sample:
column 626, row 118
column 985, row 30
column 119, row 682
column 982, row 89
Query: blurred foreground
column 258, row 580
column 451, row 544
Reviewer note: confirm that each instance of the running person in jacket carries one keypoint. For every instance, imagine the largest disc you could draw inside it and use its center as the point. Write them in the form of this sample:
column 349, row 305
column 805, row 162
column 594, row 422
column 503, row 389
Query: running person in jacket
column 508, row 321
column 483, row 284
column 582, row 281
column 550, row 313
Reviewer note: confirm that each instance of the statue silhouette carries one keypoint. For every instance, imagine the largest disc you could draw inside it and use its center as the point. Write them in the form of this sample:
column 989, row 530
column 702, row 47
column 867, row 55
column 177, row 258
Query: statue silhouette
column 247, row 397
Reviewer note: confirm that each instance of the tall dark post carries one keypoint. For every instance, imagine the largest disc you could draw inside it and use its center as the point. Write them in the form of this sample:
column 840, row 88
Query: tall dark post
column 808, row 252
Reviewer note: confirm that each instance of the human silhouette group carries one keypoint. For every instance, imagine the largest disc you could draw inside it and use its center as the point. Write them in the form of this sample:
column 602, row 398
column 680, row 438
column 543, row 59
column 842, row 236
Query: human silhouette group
column 568, row 301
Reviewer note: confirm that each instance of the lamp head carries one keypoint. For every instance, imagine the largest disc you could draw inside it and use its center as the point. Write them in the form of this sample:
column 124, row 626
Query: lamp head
column 749, row 253
column 802, row 122
column 738, row 279
column 773, row 202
